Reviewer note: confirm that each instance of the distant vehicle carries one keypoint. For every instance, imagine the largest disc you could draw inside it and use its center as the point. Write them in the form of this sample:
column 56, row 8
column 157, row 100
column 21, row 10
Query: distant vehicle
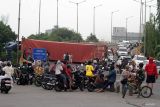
column 120, row 45
column 129, row 58
column 139, row 59
column 124, row 41
column 110, row 55
column 124, row 44
column 122, row 51
column 11, row 45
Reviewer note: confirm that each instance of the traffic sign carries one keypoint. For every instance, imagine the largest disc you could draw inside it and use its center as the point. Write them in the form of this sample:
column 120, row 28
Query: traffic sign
column 39, row 54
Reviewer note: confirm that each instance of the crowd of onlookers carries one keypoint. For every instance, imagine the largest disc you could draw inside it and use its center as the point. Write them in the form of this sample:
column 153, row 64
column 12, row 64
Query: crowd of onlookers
column 63, row 69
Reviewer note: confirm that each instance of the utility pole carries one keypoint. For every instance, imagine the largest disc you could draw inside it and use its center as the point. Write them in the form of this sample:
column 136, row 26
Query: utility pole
column 127, row 26
column 77, row 4
column 140, row 25
column 39, row 26
column 112, row 21
column 19, row 21
column 94, row 15
column 57, row 15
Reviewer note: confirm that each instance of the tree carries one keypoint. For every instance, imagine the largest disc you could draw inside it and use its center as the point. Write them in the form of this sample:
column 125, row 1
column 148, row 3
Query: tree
column 60, row 34
column 6, row 34
column 158, row 14
column 92, row 38
column 42, row 36
column 157, row 52
column 150, row 37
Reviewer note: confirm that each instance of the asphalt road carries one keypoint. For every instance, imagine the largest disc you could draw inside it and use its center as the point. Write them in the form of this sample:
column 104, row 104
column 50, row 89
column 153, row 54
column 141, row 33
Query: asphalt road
column 32, row 96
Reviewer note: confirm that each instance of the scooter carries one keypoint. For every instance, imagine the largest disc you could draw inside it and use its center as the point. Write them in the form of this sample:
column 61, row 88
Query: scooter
column 5, row 85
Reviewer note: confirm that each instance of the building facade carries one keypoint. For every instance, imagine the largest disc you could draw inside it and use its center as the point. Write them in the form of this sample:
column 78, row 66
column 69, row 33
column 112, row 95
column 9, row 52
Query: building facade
column 119, row 34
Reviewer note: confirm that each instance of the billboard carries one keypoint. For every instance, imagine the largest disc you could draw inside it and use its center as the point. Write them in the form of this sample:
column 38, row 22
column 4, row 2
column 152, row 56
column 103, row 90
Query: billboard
column 39, row 54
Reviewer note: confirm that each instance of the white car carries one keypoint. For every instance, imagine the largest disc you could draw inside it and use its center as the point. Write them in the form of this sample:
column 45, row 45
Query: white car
column 139, row 59
column 110, row 55
column 122, row 51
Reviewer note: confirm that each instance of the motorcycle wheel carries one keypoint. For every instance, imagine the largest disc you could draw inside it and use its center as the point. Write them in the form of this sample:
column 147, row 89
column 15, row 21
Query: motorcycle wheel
column 6, row 91
column 57, row 88
column 37, row 84
column 47, row 87
column 18, row 82
column 90, row 88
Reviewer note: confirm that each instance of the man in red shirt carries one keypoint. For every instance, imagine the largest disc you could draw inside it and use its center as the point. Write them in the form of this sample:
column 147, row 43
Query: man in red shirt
column 151, row 70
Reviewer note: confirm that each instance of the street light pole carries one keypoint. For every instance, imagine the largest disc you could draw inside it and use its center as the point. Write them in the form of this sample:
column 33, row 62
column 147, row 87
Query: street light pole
column 94, row 15
column 112, row 21
column 39, row 26
column 77, row 4
column 77, row 17
column 57, row 15
column 127, row 25
column 140, row 25
column 19, row 21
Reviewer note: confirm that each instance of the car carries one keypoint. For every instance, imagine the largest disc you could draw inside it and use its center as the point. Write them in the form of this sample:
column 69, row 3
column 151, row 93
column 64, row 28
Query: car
column 11, row 45
column 119, row 61
column 139, row 59
column 110, row 55
column 122, row 51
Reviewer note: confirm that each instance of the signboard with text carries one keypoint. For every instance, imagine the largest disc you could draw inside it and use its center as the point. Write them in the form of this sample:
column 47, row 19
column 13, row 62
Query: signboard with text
column 39, row 54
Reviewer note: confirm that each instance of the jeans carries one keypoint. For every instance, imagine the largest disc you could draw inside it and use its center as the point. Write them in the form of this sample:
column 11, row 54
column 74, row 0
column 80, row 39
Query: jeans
column 63, row 77
column 107, row 83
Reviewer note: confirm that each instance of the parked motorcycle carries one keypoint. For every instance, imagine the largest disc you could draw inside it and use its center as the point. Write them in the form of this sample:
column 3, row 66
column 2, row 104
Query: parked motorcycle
column 78, row 82
column 48, row 81
column 6, row 85
column 97, row 81
column 23, row 79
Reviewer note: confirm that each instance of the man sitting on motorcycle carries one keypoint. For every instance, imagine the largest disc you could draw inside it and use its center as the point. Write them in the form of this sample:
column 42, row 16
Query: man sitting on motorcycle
column 30, row 73
column 89, row 71
column 69, row 75
column 111, row 78
column 8, row 72
column 24, row 74
column 59, row 72
column 39, row 70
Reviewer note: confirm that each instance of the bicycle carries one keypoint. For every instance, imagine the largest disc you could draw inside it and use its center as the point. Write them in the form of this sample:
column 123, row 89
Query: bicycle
column 144, row 91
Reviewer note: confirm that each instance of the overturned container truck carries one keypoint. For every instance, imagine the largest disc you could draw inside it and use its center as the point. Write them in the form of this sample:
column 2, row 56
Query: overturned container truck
column 80, row 52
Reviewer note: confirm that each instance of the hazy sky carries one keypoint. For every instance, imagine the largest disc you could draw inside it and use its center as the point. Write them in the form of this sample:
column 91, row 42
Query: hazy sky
column 67, row 15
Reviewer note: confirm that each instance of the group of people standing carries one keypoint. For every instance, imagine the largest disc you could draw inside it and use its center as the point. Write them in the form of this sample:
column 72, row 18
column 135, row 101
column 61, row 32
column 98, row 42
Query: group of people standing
column 136, row 75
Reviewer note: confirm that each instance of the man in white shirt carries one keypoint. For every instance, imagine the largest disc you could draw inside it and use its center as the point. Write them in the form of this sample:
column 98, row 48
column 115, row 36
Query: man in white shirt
column 8, row 70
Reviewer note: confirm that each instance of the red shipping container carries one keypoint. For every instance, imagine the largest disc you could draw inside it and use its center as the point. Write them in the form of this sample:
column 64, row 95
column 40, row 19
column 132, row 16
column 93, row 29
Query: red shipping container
column 80, row 52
